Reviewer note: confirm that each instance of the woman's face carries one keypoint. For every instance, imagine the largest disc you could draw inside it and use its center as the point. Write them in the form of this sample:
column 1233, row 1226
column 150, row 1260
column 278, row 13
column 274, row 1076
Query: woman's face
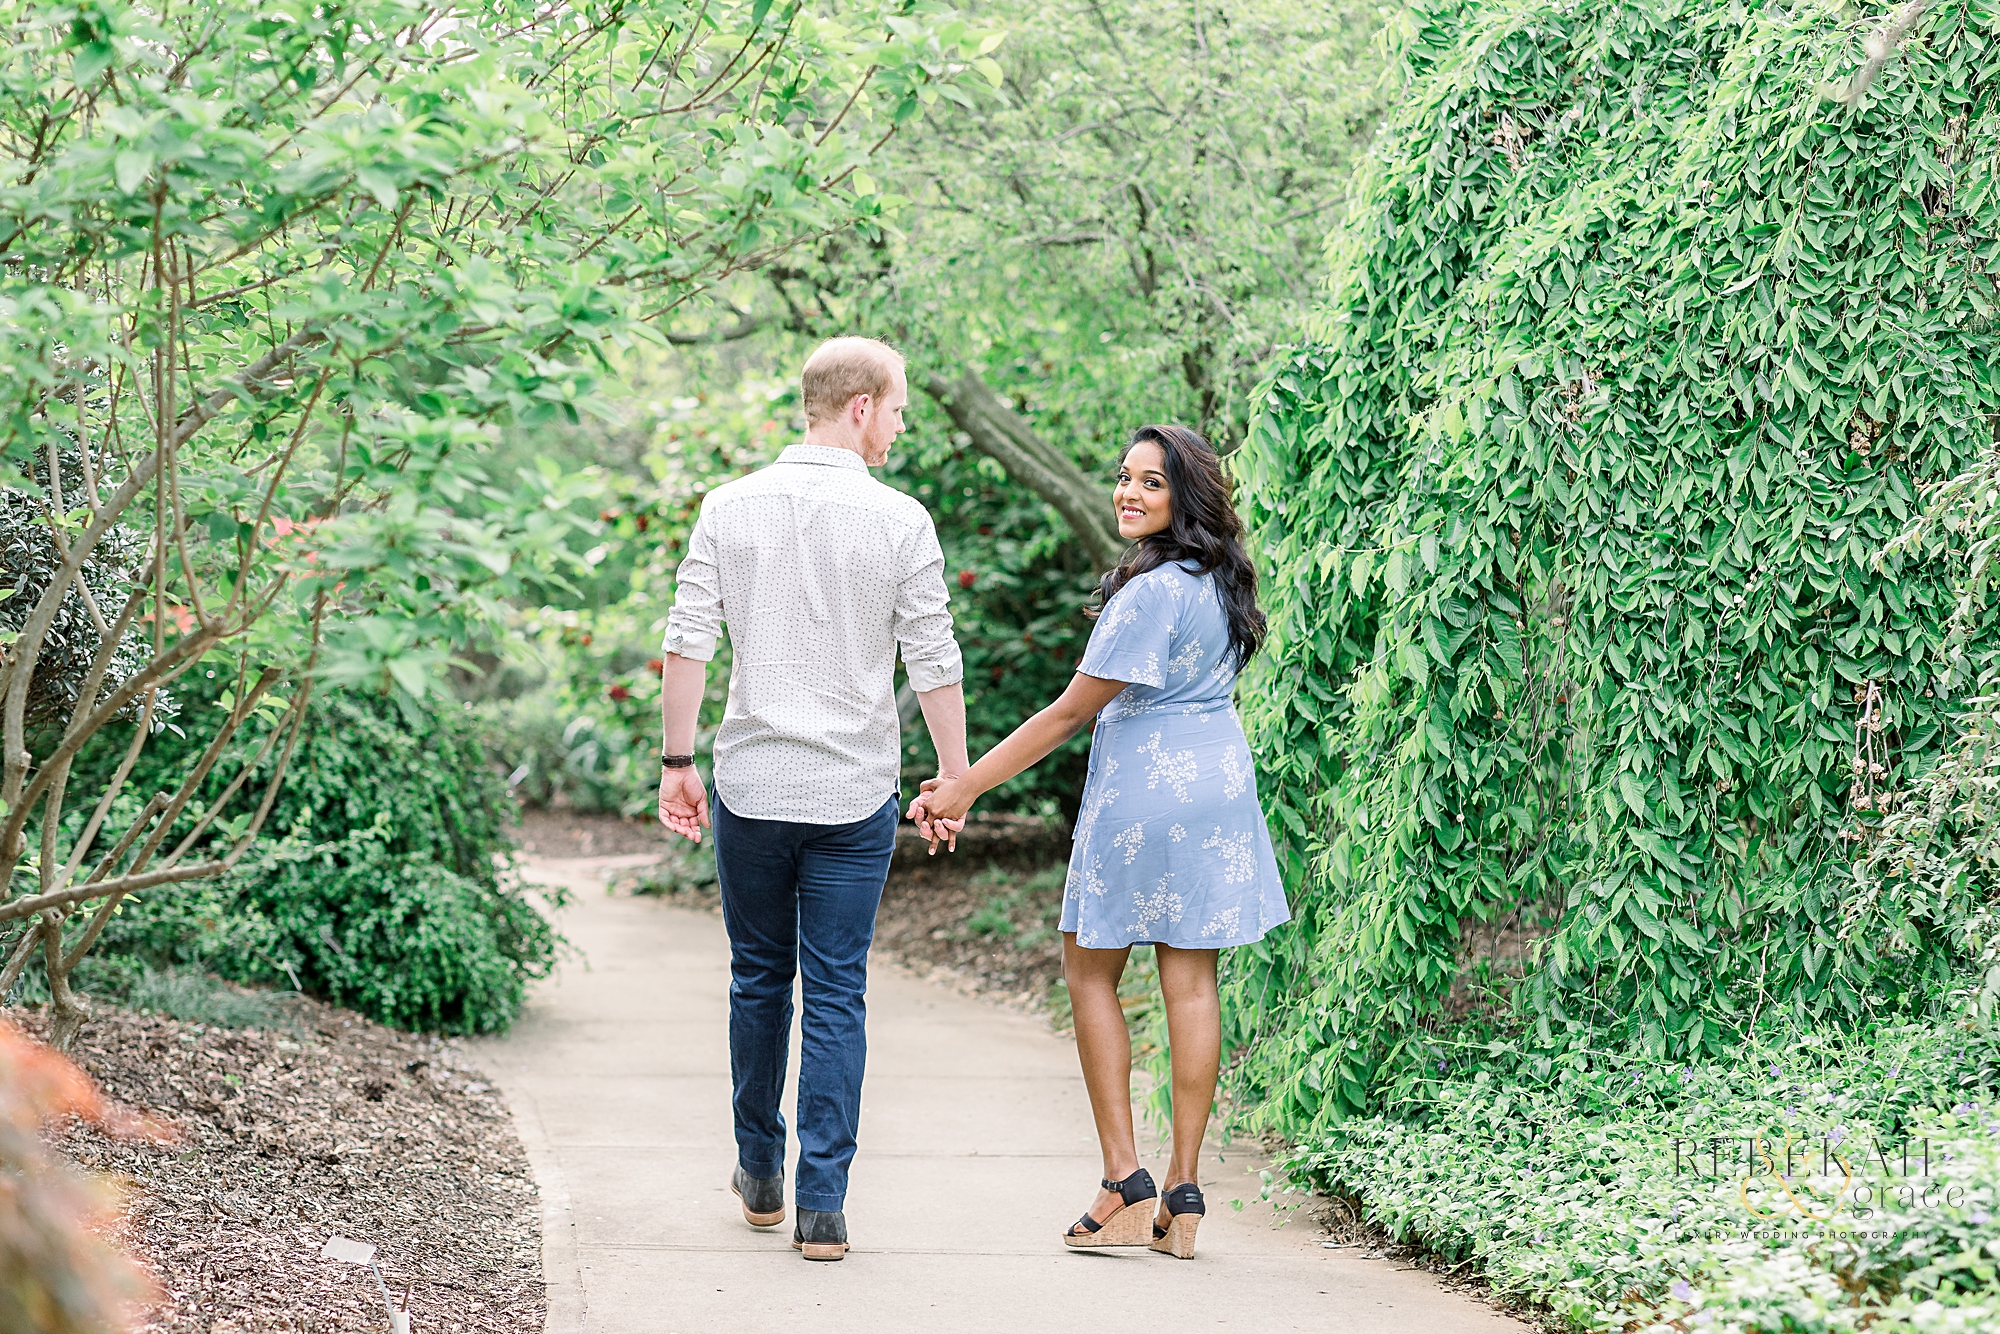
column 1141, row 497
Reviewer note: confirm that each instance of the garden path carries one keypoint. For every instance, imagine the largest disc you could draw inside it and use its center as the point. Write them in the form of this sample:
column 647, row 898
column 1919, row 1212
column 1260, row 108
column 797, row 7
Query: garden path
column 618, row 1072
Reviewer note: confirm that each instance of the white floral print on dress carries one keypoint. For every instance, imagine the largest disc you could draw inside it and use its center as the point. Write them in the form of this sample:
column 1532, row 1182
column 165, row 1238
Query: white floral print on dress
column 1223, row 923
column 1235, row 773
column 1239, row 856
column 1087, row 879
column 1129, row 841
column 1093, row 806
column 1187, row 661
column 1176, row 770
column 1183, row 759
column 1150, row 909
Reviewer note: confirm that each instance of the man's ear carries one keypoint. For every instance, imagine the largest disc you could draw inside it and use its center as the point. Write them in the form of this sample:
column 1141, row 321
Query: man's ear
column 857, row 408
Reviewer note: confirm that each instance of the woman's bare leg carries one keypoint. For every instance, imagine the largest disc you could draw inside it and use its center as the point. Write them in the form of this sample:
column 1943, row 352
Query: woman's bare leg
column 1194, row 1032
column 1104, row 1045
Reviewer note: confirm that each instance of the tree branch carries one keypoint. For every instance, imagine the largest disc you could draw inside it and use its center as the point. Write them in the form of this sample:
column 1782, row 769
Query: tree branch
column 1880, row 47
column 124, row 884
column 1002, row 435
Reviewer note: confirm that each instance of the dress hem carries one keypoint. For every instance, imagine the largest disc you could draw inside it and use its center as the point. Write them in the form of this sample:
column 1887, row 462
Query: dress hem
column 1229, row 944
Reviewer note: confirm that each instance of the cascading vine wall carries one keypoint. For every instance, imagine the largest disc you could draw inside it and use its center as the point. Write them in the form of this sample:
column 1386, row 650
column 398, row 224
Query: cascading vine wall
column 1640, row 345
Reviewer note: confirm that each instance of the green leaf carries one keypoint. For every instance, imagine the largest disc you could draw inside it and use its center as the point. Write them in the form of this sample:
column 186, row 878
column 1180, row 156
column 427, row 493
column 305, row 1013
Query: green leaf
column 132, row 166
column 409, row 674
column 379, row 184
column 1634, row 794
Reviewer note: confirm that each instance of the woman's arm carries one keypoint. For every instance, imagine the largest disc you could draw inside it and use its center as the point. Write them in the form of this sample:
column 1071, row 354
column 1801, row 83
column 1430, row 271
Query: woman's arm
column 951, row 798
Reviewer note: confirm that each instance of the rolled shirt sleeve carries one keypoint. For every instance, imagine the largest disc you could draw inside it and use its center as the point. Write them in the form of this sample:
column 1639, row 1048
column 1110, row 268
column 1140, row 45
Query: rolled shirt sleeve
column 923, row 615
column 696, row 620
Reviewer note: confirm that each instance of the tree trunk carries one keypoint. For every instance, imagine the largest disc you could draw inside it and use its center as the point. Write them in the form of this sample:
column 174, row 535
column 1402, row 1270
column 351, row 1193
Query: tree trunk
column 1002, row 435
column 67, row 1011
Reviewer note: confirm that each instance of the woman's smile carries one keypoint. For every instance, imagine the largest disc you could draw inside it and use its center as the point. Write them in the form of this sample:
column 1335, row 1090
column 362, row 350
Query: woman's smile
column 1142, row 500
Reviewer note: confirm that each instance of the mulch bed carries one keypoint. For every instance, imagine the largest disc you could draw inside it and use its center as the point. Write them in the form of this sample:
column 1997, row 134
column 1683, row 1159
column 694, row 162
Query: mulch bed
column 288, row 1137
column 930, row 907
column 931, row 919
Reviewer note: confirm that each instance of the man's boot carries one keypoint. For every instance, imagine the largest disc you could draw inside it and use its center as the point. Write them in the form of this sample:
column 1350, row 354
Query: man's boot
column 820, row 1234
column 763, row 1197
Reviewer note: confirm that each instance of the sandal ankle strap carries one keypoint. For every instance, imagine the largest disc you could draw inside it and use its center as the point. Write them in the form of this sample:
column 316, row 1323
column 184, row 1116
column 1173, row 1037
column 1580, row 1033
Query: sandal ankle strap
column 1139, row 1186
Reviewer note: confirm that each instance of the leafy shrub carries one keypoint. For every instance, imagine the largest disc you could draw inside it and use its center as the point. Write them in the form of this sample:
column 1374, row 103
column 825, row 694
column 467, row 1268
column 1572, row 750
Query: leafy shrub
column 1612, row 1190
column 385, row 888
column 684, row 869
column 399, row 936
column 1637, row 350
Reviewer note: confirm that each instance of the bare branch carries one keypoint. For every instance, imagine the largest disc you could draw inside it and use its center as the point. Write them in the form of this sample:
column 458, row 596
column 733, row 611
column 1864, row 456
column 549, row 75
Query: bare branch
column 1880, row 47
column 746, row 324
column 124, row 884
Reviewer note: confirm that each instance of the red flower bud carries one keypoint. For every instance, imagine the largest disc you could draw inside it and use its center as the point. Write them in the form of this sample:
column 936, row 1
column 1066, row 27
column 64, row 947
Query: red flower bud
column 965, row 578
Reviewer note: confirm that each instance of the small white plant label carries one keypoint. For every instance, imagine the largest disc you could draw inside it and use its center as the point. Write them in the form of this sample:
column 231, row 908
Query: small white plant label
column 347, row 1249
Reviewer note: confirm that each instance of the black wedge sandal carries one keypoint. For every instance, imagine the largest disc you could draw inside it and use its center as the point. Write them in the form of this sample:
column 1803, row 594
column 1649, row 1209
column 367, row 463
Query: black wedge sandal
column 1184, row 1212
column 1126, row 1227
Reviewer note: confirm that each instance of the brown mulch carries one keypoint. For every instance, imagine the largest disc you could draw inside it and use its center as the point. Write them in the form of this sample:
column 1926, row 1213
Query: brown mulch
column 980, row 923
column 338, row 1126
column 561, row 833
column 980, row 920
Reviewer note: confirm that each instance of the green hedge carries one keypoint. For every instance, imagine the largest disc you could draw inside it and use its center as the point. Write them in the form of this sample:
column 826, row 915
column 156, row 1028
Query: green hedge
column 1637, row 351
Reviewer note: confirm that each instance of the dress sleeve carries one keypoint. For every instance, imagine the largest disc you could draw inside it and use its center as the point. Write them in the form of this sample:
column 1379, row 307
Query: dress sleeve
column 1133, row 638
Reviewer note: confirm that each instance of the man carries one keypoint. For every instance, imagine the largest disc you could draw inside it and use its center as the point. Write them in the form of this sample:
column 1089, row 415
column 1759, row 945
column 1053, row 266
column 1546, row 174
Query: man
column 820, row 571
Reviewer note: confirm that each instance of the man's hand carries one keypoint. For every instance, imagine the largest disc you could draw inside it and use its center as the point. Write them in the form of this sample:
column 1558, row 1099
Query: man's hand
column 683, row 802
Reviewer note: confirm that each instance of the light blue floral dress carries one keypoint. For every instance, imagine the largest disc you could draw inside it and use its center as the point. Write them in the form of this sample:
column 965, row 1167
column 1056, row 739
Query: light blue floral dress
column 1171, row 845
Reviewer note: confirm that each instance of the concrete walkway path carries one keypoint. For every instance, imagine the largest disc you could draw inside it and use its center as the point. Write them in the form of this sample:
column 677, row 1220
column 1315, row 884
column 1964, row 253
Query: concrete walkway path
column 976, row 1151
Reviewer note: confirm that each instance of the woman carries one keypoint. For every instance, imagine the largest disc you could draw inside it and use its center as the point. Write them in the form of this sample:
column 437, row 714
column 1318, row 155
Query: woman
column 1171, row 846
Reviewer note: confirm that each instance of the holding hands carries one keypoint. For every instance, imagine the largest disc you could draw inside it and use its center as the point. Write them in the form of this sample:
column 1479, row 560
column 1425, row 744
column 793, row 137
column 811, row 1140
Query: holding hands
column 941, row 807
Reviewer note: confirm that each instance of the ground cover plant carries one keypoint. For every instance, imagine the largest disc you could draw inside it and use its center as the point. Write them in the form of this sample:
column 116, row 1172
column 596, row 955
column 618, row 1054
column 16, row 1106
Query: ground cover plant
column 1815, row 1183
column 1591, row 656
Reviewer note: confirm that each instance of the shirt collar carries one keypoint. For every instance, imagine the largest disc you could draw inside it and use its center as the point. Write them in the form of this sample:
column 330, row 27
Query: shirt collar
column 825, row 455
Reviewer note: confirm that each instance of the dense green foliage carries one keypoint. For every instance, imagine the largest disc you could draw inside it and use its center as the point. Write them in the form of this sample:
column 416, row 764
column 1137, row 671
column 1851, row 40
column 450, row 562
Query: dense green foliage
column 278, row 276
column 1637, row 350
column 1630, row 1195
column 1121, row 234
column 1131, row 226
column 378, row 886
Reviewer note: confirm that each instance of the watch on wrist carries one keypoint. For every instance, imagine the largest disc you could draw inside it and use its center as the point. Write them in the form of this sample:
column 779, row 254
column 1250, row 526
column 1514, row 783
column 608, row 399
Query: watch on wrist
column 676, row 761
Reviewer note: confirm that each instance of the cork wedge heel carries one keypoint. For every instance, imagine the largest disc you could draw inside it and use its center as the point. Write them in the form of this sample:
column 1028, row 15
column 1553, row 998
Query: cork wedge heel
column 1128, row 1225
column 1185, row 1208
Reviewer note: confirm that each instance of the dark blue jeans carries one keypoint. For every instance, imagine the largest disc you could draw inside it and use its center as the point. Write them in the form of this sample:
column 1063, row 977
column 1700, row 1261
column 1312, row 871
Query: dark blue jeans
column 800, row 899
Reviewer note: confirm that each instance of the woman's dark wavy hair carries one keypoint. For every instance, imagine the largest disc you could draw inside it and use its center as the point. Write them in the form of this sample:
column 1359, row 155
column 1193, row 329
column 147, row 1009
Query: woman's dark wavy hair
column 1204, row 533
